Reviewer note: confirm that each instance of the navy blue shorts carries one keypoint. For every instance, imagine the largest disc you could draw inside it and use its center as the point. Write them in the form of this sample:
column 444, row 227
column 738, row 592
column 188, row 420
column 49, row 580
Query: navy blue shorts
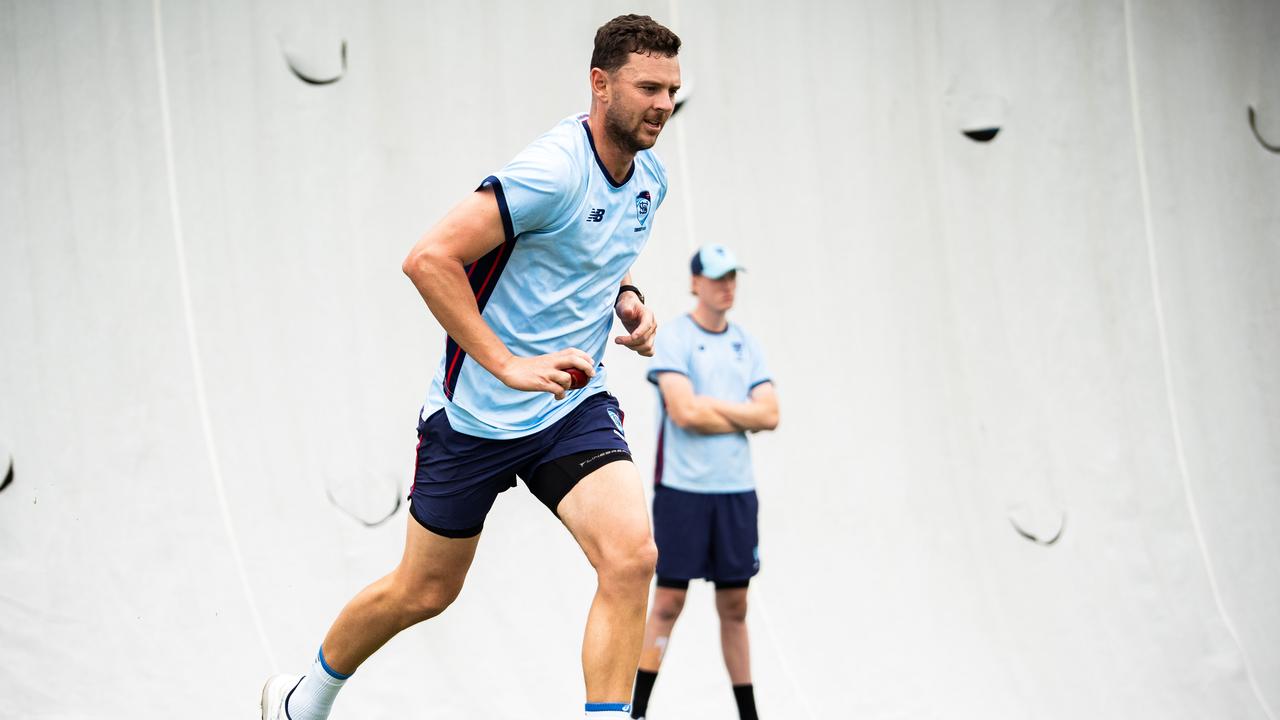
column 706, row 535
column 458, row 476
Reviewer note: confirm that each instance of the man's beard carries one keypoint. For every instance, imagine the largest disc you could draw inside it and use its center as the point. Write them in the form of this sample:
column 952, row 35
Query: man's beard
column 626, row 139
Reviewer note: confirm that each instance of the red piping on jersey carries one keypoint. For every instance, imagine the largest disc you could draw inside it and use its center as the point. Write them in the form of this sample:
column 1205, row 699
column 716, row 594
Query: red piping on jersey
column 497, row 260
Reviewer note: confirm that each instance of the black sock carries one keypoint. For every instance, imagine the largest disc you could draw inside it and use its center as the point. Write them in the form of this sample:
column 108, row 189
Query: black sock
column 746, row 697
column 644, row 686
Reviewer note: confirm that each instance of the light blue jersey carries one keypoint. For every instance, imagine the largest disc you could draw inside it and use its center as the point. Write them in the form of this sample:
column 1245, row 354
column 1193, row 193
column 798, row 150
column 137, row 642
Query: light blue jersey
column 726, row 365
column 572, row 234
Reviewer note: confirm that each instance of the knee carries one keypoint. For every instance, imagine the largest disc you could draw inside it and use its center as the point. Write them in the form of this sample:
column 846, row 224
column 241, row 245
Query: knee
column 428, row 605
column 629, row 564
column 423, row 602
column 647, row 561
column 732, row 610
column 667, row 609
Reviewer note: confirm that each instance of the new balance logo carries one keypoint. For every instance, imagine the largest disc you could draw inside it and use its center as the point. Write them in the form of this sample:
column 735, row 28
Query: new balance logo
column 596, row 215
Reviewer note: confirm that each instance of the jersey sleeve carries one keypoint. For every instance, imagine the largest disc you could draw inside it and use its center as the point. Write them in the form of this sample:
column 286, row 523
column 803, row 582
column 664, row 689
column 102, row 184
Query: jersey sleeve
column 670, row 353
column 538, row 190
column 759, row 368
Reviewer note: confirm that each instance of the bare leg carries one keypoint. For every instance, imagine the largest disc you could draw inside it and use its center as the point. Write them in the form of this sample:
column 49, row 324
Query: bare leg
column 731, row 605
column 667, row 604
column 429, row 577
column 606, row 514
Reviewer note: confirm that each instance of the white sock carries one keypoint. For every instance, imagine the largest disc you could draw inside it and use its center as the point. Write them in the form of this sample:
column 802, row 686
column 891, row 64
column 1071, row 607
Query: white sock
column 606, row 711
column 313, row 697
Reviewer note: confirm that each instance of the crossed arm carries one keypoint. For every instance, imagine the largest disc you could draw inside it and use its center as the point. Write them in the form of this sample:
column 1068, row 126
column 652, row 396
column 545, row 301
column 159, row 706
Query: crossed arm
column 711, row 416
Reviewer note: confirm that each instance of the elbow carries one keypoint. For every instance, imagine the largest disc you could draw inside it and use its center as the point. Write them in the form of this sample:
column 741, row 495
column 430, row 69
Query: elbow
column 686, row 416
column 419, row 266
column 681, row 418
column 415, row 265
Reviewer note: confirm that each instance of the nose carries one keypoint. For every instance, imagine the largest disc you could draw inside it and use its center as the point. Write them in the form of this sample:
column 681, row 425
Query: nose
column 664, row 103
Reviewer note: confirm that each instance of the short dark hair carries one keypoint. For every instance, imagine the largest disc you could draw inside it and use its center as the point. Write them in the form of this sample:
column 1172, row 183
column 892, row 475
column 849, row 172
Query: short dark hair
column 626, row 34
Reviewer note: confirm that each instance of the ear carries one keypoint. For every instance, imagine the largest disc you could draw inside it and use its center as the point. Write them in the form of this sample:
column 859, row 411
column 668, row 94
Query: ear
column 600, row 84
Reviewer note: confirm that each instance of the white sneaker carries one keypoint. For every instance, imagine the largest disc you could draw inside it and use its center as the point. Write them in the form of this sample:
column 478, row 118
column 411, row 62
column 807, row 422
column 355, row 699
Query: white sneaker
column 274, row 693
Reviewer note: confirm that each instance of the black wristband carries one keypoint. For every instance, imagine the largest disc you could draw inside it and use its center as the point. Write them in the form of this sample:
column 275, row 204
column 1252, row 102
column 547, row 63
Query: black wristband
column 630, row 288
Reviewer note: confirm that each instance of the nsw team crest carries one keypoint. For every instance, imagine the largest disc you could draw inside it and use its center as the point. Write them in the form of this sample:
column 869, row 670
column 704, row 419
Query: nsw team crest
column 643, row 199
column 617, row 421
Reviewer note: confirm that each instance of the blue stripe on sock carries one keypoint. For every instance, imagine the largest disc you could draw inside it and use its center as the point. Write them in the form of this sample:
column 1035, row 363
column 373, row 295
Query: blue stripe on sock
column 608, row 707
column 333, row 673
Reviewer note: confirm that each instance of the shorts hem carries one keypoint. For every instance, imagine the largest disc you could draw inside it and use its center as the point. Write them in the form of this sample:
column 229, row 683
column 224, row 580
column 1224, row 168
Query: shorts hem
column 455, row 533
column 556, row 477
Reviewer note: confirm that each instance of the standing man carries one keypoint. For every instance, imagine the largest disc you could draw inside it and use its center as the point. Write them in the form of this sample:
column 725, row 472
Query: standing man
column 713, row 389
column 525, row 276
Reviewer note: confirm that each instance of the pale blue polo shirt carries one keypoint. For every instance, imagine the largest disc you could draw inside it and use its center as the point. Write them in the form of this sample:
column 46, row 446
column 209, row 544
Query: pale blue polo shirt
column 727, row 365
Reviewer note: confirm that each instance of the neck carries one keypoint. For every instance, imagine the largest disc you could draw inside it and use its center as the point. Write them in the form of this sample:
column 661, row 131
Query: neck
column 708, row 319
column 616, row 160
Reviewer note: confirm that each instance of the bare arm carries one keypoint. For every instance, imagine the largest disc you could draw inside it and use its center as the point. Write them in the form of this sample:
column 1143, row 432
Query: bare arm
column 758, row 413
column 436, row 267
column 690, row 411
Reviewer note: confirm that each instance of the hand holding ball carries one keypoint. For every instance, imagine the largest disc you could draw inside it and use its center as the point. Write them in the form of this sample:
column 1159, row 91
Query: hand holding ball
column 578, row 379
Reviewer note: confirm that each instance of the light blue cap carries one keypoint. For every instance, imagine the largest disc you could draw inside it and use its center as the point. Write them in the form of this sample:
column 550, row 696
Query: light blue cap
column 714, row 261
